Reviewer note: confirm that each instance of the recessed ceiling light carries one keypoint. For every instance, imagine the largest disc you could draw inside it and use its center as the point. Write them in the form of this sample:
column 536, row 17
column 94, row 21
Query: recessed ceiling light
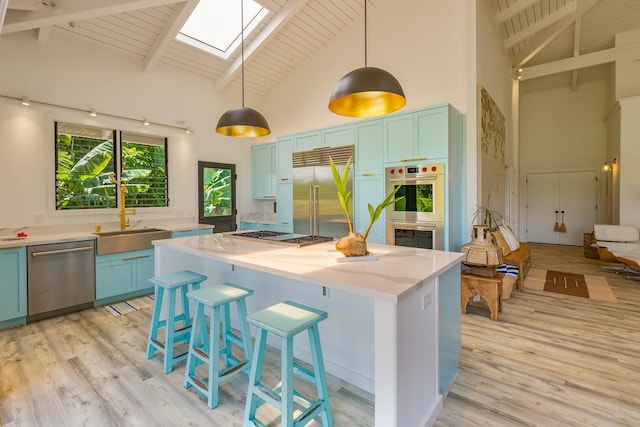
column 93, row 113
column 25, row 101
column 145, row 122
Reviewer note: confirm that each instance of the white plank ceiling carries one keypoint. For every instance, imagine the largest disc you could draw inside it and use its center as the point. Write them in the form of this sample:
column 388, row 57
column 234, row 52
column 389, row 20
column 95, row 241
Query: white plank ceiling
column 543, row 37
column 546, row 37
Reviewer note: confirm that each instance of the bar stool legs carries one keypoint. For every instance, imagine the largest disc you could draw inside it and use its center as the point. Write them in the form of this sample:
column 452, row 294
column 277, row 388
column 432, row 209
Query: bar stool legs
column 286, row 320
column 171, row 283
column 208, row 345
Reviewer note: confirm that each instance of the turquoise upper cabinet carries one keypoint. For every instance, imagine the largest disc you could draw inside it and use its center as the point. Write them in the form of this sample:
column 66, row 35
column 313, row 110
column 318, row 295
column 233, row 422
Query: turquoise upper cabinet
column 264, row 171
column 369, row 148
column 398, row 138
column 307, row 141
column 284, row 165
column 13, row 285
column 431, row 135
column 417, row 136
column 338, row 136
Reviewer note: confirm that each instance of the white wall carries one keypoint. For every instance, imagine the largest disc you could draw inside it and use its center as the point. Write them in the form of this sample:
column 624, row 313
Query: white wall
column 563, row 130
column 629, row 159
column 72, row 72
column 494, row 74
column 421, row 42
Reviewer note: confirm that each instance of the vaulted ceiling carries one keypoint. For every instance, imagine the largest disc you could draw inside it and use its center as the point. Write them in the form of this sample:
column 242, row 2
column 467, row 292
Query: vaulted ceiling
column 543, row 37
column 546, row 37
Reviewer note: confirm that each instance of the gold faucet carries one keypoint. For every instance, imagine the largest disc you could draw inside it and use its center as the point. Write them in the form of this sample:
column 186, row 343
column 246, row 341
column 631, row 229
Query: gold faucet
column 122, row 190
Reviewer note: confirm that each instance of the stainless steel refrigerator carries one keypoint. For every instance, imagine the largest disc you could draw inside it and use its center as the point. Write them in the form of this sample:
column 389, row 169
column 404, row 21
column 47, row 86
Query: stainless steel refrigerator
column 316, row 208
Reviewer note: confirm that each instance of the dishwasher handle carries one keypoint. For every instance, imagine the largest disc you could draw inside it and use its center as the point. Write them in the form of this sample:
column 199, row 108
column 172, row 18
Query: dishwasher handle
column 62, row 251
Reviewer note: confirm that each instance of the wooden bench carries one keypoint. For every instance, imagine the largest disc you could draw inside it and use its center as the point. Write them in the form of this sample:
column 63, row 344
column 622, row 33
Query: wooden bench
column 521, row 259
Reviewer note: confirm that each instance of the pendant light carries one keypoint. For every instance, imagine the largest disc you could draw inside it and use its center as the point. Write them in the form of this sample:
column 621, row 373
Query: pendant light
column 367, row 91
column 242, row 121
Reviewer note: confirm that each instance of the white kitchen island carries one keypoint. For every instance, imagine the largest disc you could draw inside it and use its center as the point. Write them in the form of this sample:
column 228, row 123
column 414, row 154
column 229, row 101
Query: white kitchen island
column 394, row 322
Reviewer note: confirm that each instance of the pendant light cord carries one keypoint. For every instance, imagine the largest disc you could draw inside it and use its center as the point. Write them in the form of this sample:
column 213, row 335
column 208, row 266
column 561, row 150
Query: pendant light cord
column 242, row 45
column 365, row 33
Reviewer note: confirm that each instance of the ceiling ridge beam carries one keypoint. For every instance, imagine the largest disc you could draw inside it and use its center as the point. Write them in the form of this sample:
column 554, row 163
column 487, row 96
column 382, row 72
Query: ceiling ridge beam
column 168, row 34
column 540, row 25
column 75, row 10
column 552, row 32
column 272, row 28
column 582, row 61
column 512, row 11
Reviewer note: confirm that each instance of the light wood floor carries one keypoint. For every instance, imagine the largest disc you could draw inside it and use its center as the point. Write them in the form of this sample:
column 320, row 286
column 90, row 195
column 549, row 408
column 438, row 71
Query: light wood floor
column 551, row 360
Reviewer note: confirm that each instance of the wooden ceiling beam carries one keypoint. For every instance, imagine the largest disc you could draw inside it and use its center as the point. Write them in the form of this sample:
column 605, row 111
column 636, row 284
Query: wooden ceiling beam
column 3, row 11
column 169, row 32
column 577, row 33
column 582, row 61
column 74, row 10
column 549, row 34
column 540, row 25
column 512, row 11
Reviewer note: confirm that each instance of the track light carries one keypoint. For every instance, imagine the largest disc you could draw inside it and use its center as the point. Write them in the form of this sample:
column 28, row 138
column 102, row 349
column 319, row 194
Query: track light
column 25, row 101
column 92, row 112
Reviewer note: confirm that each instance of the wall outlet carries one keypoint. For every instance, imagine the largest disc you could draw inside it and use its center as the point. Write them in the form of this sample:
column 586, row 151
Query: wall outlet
column 325, row 291
column 426, row 300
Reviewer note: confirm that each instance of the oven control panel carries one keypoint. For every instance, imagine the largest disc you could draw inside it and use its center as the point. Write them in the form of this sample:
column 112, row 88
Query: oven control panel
column 416, row 171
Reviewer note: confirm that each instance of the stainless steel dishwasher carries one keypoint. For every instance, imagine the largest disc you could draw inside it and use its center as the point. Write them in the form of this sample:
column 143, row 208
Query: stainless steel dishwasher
column 61, row 278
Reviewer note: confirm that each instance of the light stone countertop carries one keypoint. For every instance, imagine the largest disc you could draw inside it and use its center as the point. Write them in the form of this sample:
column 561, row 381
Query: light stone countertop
column 396, row 272
column 53, row 234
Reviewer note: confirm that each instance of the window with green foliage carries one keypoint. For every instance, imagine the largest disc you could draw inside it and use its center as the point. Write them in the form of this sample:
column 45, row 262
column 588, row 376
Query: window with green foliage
column 85, row 163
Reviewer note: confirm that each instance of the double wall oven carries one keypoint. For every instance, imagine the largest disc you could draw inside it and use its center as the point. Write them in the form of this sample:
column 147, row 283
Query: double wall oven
column 417, row 219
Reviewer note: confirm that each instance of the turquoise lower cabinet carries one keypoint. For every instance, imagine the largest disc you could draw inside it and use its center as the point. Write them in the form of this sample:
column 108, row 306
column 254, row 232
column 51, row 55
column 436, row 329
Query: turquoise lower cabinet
column 190, row 233
column 369, row 189
column 13, row 286
column 449, row 329
column 123, row 275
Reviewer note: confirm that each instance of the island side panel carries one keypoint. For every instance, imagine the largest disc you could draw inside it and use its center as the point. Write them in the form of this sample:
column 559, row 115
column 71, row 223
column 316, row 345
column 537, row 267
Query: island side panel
column 449, row 327
column 418, row 397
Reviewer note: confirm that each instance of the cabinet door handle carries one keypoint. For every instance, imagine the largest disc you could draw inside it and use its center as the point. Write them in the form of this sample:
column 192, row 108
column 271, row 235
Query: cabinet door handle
column 368, row 174
column 415, row 159
column 269, row 197
column 284, row 179
column 136, row 257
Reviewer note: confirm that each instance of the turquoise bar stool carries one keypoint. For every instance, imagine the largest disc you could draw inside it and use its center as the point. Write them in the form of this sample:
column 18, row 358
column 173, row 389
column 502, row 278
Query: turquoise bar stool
column 286, row 320
column 208, row 346
column 177, row 328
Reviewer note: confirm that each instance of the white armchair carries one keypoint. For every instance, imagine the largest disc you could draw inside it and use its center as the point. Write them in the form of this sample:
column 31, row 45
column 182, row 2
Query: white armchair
column 619, row 243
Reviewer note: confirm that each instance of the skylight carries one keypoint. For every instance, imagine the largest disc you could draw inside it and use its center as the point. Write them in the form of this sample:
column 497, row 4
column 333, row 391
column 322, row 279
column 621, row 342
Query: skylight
column 214, row 25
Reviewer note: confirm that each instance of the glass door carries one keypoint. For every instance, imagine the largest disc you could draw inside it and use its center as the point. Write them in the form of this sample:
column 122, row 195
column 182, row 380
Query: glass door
column 217, row 195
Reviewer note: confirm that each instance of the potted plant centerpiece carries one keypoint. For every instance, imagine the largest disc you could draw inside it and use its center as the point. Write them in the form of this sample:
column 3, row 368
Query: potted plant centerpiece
column 355, row 244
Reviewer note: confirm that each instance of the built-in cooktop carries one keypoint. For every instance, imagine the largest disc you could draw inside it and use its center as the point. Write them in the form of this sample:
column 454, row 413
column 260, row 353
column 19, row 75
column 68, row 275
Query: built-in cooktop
column 292, row 239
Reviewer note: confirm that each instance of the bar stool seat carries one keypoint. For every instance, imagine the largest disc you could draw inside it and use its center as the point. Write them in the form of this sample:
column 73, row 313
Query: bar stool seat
column 174, row 332
column 286, row 320
column 207, row 347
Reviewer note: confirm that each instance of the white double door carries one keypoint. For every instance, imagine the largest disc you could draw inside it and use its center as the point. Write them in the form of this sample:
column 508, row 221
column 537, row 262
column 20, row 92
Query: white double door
column 573, row 195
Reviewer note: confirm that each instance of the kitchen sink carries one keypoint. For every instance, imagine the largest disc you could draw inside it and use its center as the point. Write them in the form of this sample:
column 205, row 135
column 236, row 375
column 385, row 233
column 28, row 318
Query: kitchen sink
column 111, row 242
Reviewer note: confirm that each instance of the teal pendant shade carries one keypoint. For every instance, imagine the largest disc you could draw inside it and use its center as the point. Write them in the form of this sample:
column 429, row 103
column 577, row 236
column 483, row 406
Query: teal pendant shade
column 243, row 122
column 367, row 92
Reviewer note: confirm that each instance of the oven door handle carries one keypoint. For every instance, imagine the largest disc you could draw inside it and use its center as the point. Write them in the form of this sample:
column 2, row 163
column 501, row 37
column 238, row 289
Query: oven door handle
column 413, row 226
column 422, row 178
